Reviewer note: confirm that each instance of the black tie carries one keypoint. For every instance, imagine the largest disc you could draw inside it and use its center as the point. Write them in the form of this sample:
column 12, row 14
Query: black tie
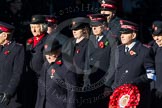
column 126, row 50
column 97, row 39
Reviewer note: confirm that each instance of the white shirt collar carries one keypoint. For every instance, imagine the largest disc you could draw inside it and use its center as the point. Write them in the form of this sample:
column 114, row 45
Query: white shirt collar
column 99, row 37
column 130, row 46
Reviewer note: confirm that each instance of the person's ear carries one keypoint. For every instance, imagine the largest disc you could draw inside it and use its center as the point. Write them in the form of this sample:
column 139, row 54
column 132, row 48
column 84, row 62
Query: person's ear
column 134, row 35
column 5, row 35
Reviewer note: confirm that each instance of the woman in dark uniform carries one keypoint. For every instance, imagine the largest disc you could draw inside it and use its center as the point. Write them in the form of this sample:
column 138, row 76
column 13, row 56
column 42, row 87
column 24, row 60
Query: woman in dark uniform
column 75, row 50
column 56, row 82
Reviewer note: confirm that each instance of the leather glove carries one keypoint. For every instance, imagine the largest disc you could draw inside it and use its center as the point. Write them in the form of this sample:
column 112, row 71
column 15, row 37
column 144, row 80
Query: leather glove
column 158, row 94
column 108, row 91
column 4, row 98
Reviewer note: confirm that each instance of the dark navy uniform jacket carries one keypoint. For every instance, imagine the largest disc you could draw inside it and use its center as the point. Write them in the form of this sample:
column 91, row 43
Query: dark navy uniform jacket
column 11, row 67
column 114, row 27
column 156, row 86
column 34, row 61
column 77, row 53
column 132, row 68
column 34, row 58
column 96, row 68
column 158, row 64
column 55, row 86
column 98, row 57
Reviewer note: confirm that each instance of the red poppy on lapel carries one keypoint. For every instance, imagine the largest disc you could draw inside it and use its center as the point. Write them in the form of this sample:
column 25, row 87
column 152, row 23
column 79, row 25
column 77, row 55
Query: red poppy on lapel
column 131, row 52
column 78, row 51
column 7, row 52
column 30, row 41
column 59, row 62
column 101, row 44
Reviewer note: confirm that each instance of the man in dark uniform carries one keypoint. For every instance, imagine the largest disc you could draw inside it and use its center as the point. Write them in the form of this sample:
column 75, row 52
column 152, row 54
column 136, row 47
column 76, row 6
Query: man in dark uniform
column 134, row 63
column 34, row 57
column 53, row 31
column 11, row 66
column 109, row 7
column 157, row 46
column 98, row 60
column 56, row 82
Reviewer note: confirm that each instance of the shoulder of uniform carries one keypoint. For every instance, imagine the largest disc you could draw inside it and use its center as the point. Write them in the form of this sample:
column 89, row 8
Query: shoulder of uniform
column 19, row 44
column 147, row 45
column 121, row 45
column 117, row 19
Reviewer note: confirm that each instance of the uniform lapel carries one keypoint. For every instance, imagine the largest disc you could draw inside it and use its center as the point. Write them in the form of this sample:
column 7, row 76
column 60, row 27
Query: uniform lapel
column 6, row 51
column 72, row 47
column 126, row 59
column 39, row 43
column 92, row 45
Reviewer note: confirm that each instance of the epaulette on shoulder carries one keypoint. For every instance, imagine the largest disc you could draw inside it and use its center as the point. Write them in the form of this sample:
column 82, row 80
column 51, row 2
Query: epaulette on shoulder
column 147, row 45
column 19, row 44
column 120, row 45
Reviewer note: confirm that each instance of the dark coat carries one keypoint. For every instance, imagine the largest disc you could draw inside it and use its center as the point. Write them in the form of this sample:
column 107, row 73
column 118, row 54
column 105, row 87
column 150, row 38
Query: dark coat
column 34, row 57
column 11, row 68
column 114, row 27
column 55, row 90
column 34, row 62
column 98, row 59
column 132, row 69
column 77, row 53
column 156, row 85
column 96, row 68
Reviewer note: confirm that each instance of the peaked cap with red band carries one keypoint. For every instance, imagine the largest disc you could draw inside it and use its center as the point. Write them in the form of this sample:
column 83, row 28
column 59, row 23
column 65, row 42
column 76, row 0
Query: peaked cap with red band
column 51, row 20
column 157, row 28
column 51, row 45
column 128, row 26
column 79, row 23
column 4, row 27
column 97, row 19
column 108, row 5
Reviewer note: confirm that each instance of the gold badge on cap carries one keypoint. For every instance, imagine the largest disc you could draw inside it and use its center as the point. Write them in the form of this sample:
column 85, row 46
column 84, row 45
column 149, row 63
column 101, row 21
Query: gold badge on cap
column 33, row 19
column 103, row 1
column 155, row 28
column 73, row 23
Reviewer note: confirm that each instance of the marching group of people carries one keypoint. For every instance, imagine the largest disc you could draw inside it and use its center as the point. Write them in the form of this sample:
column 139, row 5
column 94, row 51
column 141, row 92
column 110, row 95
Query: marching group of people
column 53, row 71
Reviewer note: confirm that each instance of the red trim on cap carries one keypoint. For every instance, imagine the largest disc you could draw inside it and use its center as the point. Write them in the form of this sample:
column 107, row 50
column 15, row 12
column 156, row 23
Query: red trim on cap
column 108, row 6
column 97, row 19
column 123, row 21
column 51, row 20
column 4, row 29
column 128, row 27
